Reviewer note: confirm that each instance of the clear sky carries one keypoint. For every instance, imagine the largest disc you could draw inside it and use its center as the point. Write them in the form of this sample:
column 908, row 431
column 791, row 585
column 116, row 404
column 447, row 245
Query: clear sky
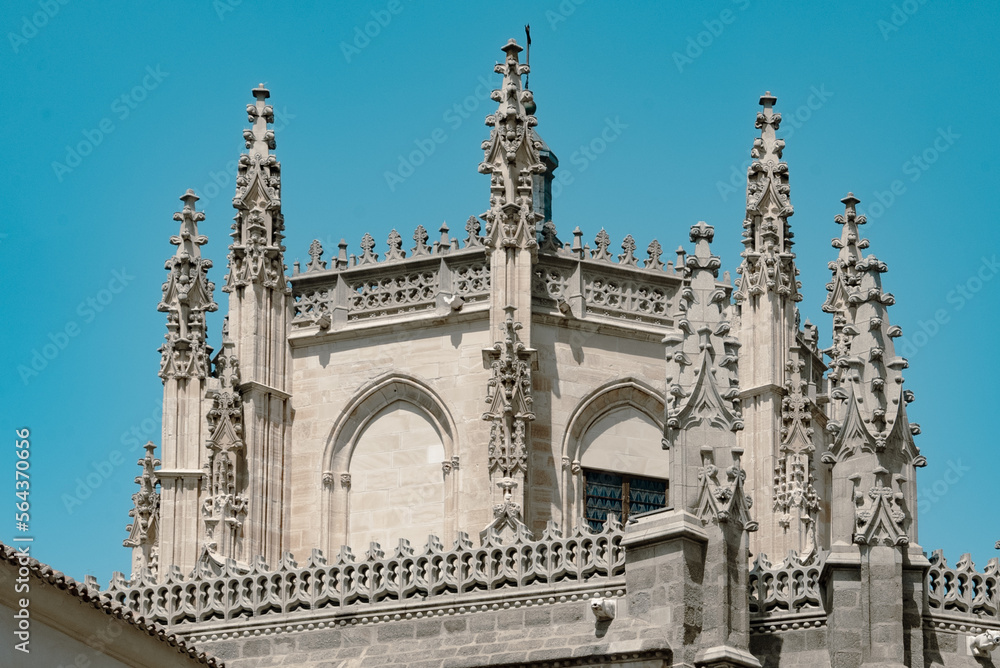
column 113, row 109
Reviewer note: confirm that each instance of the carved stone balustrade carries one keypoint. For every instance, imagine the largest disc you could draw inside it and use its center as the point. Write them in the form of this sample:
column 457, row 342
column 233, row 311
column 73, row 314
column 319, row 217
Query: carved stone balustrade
column 788, row 592
column 570, row 280
column 580, row 564
column 961, row 593
column 433, row 281
column 600, row 286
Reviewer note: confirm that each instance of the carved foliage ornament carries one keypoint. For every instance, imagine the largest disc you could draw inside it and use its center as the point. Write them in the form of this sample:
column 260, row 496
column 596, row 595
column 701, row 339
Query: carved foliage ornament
column 511, row 159
column 225, row 506
column 508, row 398
column 187, row 296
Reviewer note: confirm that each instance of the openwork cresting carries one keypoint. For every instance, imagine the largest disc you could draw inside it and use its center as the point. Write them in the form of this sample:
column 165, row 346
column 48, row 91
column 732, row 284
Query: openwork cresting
column 789, row 589
column 232, row 591
column 962, row 590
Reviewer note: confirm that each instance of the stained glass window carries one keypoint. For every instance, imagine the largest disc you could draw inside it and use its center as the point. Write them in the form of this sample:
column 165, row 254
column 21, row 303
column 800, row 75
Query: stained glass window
column 623, row 495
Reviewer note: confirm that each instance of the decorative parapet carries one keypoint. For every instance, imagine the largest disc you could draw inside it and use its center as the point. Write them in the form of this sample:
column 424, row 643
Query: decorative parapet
column 962, row 593
column 451, row 275
column 597, row 284
column 228, row 591
column 434, row 279
column 787, row 592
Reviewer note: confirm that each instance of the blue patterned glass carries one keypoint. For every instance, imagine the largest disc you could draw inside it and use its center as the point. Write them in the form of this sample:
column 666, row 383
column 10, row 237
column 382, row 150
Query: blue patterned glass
column 603, row 495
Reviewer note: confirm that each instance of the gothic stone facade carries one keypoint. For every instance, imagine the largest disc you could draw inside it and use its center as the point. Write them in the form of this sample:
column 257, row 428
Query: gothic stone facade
column 420, row 455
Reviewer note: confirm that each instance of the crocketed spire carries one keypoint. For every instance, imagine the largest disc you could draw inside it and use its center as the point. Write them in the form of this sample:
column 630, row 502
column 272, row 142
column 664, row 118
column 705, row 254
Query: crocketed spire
column 768, row 262
column 511, row 159
column 703, row 388
column 187, row 296
column 871, row 432
column 256, row 252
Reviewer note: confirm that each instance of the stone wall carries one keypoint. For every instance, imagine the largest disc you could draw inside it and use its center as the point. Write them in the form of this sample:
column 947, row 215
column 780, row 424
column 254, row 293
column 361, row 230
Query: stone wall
column 532, row 635
column 344, row 381
column 397, row 485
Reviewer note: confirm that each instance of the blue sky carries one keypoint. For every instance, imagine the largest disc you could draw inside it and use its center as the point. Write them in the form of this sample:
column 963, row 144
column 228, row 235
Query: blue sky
column 113, row 109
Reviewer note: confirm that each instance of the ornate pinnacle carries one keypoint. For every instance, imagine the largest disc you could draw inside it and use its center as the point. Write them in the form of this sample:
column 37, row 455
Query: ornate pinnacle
column 508, row 399
column 187, row 296
column 145, row 502
column 256, row 253
column 511, row 158
column 865, row 371
column 258, row 138
column 768, row 263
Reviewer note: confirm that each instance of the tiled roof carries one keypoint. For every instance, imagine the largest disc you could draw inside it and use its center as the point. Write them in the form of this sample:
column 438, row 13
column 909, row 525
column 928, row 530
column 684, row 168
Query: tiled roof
column 62, row 581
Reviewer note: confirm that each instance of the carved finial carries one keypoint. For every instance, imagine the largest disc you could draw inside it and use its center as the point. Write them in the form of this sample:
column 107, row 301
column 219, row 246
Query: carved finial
column 187, row 297
column 511, row 158
column 316, row 262
column 550, row 242
column 627, row 258
column 473, row 239
column 602, row 241
column 420, row 236
column 654, row 250
column 396, row 251
column 367, row 246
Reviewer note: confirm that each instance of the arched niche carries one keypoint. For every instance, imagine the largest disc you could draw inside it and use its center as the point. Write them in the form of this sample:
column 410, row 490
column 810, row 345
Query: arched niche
column 391, row 468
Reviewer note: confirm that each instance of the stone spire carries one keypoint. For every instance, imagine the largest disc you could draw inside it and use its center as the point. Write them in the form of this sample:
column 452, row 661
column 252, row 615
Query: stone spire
column 143, row 532
column 873, row 439
column 259, row 310
column 707, row 529
column 780, row 365
column 768, row 262
column 187, row 296
column 873, row 458
column 512, row 160
column 845, row 278
column 703, row 395
column 256, row 253
column 184, row 368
